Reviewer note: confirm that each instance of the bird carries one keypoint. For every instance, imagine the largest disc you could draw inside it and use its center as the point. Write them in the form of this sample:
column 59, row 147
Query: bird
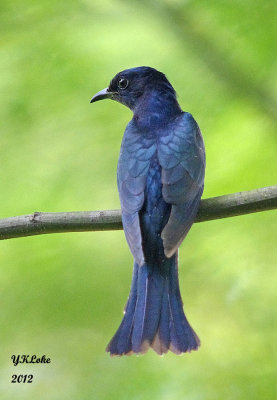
column 160, row 179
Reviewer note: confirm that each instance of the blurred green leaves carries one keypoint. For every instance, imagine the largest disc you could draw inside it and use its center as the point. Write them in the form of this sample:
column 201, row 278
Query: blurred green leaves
column 63, row 295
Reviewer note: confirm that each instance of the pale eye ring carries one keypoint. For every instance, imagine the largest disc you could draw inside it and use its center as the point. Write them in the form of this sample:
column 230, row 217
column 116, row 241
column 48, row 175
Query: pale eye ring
column 122, row 83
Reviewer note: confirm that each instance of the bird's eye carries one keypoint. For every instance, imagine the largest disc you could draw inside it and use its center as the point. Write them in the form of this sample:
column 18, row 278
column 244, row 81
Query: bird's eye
column 122, row 83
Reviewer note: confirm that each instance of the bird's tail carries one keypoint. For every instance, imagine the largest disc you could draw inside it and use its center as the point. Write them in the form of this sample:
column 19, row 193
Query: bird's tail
column 154, row 315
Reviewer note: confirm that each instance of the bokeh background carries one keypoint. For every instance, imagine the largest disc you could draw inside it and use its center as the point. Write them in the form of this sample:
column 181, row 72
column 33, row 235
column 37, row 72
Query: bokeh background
column 63, row 295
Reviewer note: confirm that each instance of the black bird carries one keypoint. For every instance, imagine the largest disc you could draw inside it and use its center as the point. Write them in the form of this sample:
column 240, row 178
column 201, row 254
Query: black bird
column 160, row 178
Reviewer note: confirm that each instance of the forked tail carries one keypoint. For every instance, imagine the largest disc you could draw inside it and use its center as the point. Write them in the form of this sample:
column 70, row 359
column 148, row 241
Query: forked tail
column 154, row 315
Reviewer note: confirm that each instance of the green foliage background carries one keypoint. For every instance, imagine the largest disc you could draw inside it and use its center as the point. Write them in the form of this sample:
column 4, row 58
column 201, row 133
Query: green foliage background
column 63, row 295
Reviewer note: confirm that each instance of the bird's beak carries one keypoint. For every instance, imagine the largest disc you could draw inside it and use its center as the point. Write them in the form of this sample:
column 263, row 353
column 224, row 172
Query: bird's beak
column 103, row 94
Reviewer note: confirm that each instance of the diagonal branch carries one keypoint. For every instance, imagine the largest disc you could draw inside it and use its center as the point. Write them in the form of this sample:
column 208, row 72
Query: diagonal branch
column 225, row 206
column 189, row 29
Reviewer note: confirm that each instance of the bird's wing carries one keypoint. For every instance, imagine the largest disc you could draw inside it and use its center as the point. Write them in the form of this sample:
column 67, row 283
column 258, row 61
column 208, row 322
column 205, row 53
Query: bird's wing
column 181, row 154
column 134, row 159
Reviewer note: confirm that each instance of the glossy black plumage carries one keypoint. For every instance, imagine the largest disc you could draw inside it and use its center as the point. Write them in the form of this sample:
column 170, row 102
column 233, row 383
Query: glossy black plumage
column 160, row 181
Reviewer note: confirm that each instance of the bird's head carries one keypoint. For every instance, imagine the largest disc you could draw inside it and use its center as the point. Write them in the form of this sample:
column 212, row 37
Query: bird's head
column 130, row 85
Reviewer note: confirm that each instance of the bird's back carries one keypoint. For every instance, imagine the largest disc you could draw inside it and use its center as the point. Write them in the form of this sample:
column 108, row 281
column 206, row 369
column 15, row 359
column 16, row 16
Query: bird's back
column 154, row 214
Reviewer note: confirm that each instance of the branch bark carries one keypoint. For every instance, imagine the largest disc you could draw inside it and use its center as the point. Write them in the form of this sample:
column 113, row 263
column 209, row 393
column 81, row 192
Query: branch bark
column 40, row 223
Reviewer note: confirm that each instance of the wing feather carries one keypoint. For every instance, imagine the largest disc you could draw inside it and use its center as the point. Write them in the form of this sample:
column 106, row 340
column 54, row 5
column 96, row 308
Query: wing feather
column 134, row 160
column 181, row 154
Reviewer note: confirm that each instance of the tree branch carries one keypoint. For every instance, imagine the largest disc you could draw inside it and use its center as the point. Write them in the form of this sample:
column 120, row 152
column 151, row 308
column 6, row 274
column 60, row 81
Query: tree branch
column 39, row 223
column 191, row 31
